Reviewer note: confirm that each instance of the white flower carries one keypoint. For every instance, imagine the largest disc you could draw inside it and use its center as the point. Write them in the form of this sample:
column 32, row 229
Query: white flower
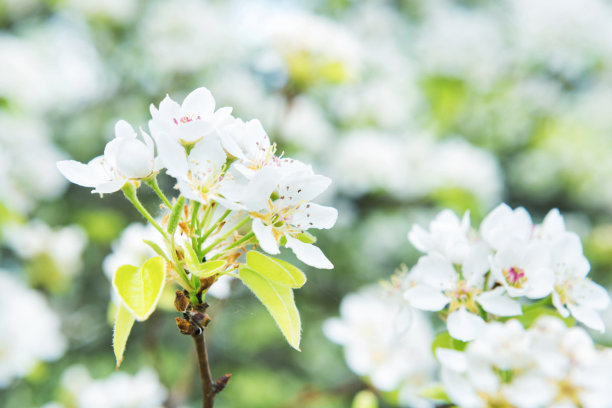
column 283, row 220
column 384, row 340
column 125, row 158
column 524, row 270
column 447, row 236
column 177, row 127
column 504, row 225
column 26, row 321
column 250, row 144
column 118, row 390
column 438, row 284
column 573, row 293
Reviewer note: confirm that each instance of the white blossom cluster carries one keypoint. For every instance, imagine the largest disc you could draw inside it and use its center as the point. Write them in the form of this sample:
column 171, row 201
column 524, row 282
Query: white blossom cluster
column 216, row 157
column 118, row 390
column 472, row 275
column 547, row 365
column 30, row 330
column 386, row 341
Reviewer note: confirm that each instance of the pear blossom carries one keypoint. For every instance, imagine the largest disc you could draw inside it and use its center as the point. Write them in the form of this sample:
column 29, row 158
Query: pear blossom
column 177, row 128
column 284, row 220
column 504, row 225
column 385, row 340
column 125, row 158
column 447, row 236
column 573, row 293
column 546, row 365
column 438, row 284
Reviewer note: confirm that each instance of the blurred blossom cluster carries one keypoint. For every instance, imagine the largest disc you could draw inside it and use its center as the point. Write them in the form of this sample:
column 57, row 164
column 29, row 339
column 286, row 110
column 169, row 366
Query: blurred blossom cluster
column 547, row 365
column 409, row 106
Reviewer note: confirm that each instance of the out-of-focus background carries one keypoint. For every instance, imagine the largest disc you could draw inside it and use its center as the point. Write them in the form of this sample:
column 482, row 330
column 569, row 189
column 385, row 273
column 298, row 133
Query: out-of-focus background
column 410, row 106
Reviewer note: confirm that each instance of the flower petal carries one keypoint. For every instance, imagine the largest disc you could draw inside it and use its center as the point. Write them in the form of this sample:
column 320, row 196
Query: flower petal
column 436, row 271
column 588, row 316
column 308, row 253
column 109, row 186
column 79, row 173
column 200, row 102
column 496, row 303
column 311, row 215
column 426, row 298
column 172, row 155
column 265, row 237
column 463, row 325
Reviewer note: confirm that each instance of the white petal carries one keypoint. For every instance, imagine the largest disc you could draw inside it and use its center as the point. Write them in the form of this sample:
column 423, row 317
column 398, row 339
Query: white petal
column 109, row 186
column 476, row 263
column 420, row 238
column 207, row 155
column 134, row 159
column 556, row 300
column 460, row 390
column 172, row 155
column 463, row 325
column 337, row 331
column 199, row 101
column 426, row 298
column 124, row 130
column 265, row 237
column 295, row 189
column 453, row 359
column 495, row 302
column 257, row 192
column 588, row 316
column 540, row 283
column 436, row 271
column 311, row 215
column 308, row 253
column 168, row 110
column 589, row 293
column 79, row 173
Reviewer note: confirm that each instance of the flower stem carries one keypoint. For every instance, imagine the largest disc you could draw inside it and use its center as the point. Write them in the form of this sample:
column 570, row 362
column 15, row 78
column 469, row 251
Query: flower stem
column 227, row 234
column 208, row 386
column 152, row 182
column 241, row 241
column 130, row 193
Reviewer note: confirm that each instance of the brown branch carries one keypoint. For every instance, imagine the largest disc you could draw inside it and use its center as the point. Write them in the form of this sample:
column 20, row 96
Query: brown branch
column 209, row 388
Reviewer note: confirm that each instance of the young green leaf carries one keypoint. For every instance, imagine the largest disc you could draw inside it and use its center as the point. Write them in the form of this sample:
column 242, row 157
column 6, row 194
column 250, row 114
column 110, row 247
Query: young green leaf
column 140, row 288
column 123, row 325
column 175, row 215
column 279, row 302
column 365, row 399
column 209, row 268
column 156, row 248
column 276, row 270
column 444, row 340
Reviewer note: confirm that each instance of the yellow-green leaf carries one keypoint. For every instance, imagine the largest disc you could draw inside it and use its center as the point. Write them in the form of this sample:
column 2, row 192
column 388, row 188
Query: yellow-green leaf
column 279, row 301
column 276, row 270
column 365, row 399
column 209, row 268
column 123, row 325
column 140, row 288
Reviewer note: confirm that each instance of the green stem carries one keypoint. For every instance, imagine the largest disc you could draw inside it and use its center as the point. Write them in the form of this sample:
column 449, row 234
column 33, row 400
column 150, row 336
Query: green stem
column 227, row 234
column 152, row 182
column 241, row 241
column 130, row 193
column 213, row 228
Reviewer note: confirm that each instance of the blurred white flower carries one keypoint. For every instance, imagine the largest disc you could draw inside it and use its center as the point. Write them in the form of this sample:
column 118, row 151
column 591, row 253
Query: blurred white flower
column 118, row 390
column 384, row 340
column 125, row 158
column 26, row 155
column 30, row 330
column 547, row 365
column 64, row 246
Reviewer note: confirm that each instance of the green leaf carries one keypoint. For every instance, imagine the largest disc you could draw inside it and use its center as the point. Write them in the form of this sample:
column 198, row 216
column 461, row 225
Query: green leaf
column 123, row 325
column 175, row 215
column 444, row 340
column 531, row 314
column 156, row 248
column 365, row 399
column 209, row 268
column 306, row 237
column 276, row 270
column 279, row 302
column 140, row 288
column 435, row 392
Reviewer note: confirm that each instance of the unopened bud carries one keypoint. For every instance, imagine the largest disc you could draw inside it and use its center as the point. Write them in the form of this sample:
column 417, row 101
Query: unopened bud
column 207, row 282
column 181, row 302
column 201, row 318
column 186, row 327
column 222, row 382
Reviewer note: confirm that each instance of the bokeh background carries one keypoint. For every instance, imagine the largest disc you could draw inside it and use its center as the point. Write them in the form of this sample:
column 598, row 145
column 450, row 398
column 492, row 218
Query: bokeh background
column 410, row 106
